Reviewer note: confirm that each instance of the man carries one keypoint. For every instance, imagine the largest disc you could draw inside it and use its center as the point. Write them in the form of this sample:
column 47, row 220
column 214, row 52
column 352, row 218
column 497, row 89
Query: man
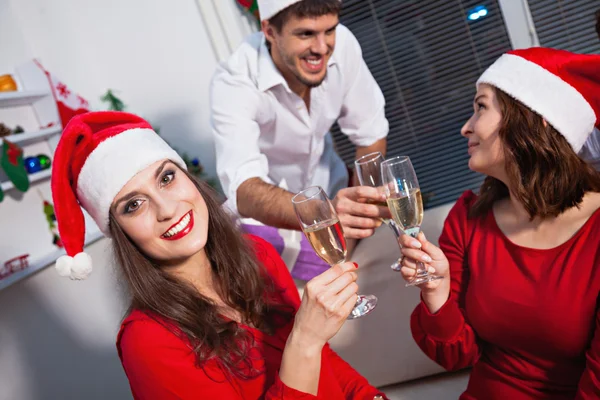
column 272, row 105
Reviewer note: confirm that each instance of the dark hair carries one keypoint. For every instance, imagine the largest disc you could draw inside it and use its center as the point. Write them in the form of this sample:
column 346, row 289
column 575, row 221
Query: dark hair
column 546, row 174
column 241, row 282
column 303, row 9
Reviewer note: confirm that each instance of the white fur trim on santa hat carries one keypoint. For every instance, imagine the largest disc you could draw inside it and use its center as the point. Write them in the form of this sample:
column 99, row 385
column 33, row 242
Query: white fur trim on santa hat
column 113, row 163
column 268, row 8
column 555, row 100
column 76, row 268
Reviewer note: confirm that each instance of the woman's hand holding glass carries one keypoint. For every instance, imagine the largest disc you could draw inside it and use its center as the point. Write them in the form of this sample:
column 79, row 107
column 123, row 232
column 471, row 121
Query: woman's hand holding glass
column 327, row 302
column 406, row 204
column 323, row 229
column 434, row 292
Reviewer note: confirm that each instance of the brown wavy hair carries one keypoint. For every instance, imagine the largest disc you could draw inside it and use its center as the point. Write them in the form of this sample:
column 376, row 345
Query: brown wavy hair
column 547, row 176
column 240, row 281
column 304, row 9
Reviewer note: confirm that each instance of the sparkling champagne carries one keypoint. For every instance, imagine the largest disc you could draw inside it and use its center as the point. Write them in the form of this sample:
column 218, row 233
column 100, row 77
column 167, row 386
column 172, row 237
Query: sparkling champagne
column 380, row 204
column 327, row 239
column 407, row 210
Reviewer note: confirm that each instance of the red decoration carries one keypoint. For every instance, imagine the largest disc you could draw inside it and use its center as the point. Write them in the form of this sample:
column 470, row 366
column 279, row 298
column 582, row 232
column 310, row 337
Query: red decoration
column 13, row 265
column 13, row 153
column 68, row 103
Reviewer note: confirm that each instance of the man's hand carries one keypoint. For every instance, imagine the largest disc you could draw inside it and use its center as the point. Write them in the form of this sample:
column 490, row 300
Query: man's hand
column 358, row 210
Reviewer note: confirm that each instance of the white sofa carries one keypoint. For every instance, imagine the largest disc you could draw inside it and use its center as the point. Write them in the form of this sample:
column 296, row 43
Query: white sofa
column 380, row 346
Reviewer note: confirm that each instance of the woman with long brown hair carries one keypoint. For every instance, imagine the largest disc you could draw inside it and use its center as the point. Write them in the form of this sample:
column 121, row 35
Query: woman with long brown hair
column 214, row 314
column 522, row 258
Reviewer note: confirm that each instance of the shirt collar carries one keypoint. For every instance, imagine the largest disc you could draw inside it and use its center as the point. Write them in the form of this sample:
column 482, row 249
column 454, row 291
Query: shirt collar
column 268, row 74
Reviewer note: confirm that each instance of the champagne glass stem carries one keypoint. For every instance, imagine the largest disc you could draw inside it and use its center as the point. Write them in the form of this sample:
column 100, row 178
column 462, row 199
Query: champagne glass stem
column 396, row 266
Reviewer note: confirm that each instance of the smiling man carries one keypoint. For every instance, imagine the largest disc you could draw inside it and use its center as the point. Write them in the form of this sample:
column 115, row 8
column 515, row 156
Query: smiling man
column 273, row 103
column 275, row 99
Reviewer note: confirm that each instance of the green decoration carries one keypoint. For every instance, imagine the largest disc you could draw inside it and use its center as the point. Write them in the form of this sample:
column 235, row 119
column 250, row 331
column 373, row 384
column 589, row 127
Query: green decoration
column 250, row 6
column 12, row 163
column 51, row 220
column 114, row 103
column 44, row 161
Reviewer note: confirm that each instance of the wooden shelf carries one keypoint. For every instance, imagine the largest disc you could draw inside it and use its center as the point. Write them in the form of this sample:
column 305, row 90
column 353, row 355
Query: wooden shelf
column 25, row 138
column 38, row 176
column 21, row 98
column 43, row 262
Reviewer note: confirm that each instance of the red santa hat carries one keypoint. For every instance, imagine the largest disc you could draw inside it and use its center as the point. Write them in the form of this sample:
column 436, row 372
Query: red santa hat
column 562, row 87
column 98, row 153
column 269, row 8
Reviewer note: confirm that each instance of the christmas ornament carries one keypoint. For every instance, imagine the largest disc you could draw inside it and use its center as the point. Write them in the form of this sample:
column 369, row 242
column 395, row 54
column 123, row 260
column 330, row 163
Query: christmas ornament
column 5, row 130
column 68, row 102
column 13, row 265
column 44, row 161
column 251, row 6
column 11, row 161
column 51, row 219
column 7, row 84
column 32, row 165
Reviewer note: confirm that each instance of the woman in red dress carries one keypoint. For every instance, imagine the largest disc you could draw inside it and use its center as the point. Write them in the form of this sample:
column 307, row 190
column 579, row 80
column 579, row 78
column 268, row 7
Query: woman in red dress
column 521, row 260
column 214, row 314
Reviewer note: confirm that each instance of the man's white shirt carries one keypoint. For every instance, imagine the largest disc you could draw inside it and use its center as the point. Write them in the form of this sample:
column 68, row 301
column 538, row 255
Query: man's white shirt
column 262, row 129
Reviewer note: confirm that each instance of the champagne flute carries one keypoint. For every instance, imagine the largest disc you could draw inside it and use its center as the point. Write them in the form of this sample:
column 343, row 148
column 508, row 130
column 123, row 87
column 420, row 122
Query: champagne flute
column 368, row 171
column 323, row 229
column 406, row 205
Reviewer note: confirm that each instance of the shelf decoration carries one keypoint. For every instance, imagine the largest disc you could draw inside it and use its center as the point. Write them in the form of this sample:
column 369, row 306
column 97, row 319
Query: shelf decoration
column 11, row 161
column 7, row 83
column 6, row 131
column 48, row 209
column 250, row 6
column 13, row 265
column 37, row 163
column 68, row 102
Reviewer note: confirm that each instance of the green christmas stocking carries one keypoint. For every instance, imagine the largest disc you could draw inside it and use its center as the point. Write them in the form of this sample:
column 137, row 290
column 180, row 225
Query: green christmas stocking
column 11, row 161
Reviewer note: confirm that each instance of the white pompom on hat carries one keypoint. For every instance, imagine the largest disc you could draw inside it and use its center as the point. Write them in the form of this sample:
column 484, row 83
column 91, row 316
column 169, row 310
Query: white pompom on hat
column 562, row 87
column 98, row 153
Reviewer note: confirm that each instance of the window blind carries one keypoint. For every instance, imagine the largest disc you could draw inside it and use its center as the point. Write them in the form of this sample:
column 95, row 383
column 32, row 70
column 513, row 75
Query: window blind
column 426, row 56
column 566, row 24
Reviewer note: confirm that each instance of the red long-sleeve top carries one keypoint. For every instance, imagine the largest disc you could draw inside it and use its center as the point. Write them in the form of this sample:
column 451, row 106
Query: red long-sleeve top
column 160, row 365
column 525, row 319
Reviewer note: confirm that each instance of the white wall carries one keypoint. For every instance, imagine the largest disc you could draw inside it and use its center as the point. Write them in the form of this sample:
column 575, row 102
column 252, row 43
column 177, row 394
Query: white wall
column 155, row 54
column 57, row 336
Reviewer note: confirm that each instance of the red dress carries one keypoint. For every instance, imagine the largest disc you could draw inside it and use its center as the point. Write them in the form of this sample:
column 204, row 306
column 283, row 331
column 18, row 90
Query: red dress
column 160, row 365
column 525, row 319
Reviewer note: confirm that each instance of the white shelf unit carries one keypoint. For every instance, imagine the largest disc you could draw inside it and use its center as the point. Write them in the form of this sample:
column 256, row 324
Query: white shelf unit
column 22, row 97
column 34, row 91
column 43, row 262
column 25, row 138
column 33, row 178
